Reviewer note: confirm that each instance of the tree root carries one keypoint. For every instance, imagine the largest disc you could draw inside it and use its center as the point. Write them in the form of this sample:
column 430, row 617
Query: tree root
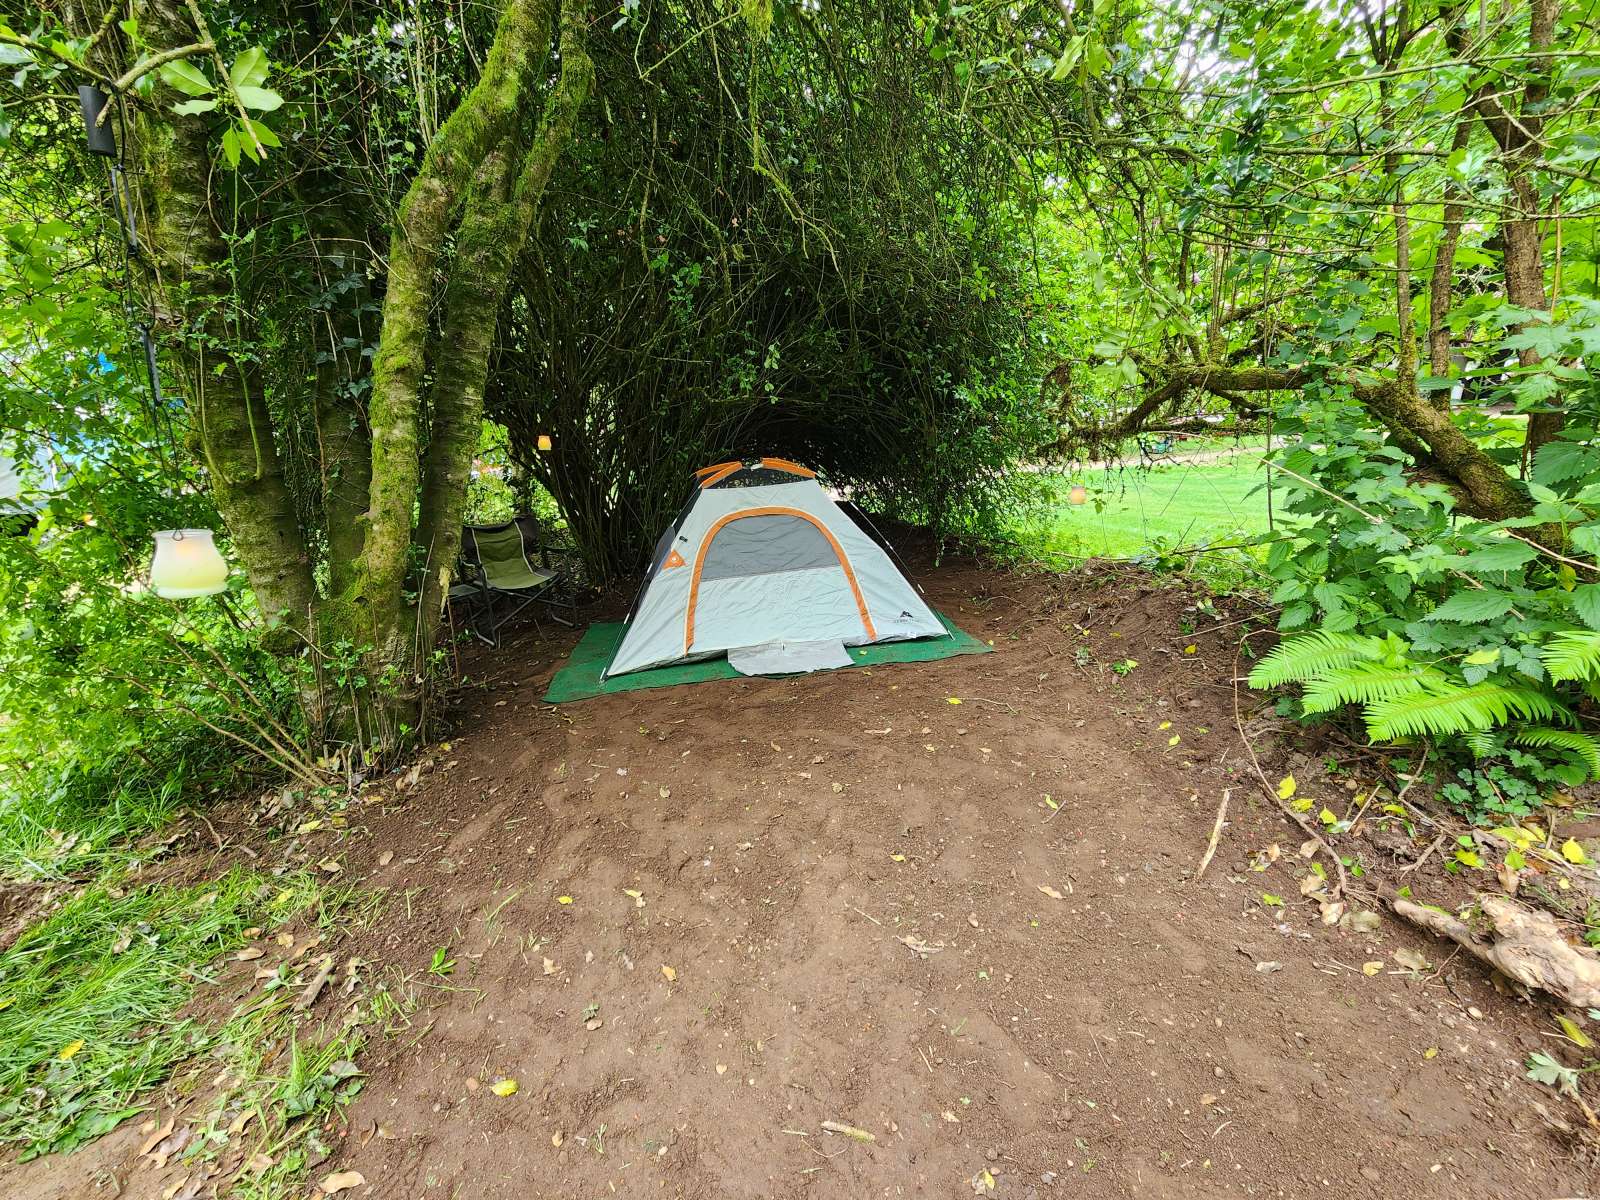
column 1524, row 943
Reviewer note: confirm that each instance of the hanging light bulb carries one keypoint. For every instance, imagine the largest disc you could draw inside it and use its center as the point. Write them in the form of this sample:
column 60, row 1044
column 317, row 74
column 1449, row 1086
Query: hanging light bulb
column 544, row 441
column 187, row 564
column 1079, row 494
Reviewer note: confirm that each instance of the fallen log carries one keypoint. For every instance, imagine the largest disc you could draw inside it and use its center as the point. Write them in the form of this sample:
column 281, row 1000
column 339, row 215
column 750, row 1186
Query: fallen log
column 1524, row 943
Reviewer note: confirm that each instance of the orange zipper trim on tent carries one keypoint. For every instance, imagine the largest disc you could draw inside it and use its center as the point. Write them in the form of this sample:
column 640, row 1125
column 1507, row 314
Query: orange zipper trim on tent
column 783, row 464
column 720, row 473
column 838, row 550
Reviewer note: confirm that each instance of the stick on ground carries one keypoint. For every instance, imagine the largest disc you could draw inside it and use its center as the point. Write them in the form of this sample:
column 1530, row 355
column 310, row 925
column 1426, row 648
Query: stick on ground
column 1216, row 833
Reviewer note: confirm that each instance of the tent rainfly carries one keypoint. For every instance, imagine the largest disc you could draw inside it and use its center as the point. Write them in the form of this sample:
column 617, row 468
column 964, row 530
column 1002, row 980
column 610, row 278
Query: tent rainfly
column 762, row 565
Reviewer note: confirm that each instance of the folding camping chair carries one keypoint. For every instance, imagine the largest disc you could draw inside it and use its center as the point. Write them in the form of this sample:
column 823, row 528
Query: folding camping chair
column 499, row 579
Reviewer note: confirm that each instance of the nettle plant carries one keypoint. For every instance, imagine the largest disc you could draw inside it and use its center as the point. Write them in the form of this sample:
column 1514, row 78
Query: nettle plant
column 1479, row 636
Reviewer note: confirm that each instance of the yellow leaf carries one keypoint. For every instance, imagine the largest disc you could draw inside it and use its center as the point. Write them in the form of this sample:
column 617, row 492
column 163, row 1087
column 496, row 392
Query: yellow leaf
column 897, row 858
column 1326, row 816
column 1578, row 1036
column 68, row 1051
column 1572, row 852
column 953, row 700
column 1431, row 1052
column 563, row 899
column 550, row 967
column 1174, row 740
column 1301, row 805
column 1048, row 803
column 1519, row 837
column 504, row 1087
column 7, row 1001
column 1165, row 725
column 638, row 896
column 1371, row 968
column 1190, row 648
column 671, row 975
column 1286, row 787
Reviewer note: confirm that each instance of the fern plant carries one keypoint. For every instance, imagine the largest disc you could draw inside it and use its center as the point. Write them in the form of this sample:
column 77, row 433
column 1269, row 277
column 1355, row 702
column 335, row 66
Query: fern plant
column 1402, row 698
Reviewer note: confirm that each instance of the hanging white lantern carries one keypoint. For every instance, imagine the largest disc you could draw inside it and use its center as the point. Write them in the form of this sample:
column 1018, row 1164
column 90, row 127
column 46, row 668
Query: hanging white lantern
column 544, row 441
column 1078, row 495
column 187, row 564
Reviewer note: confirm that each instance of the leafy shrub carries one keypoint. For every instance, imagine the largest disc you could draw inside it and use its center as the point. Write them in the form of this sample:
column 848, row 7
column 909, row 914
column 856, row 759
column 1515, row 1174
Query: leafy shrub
column 1468, row 632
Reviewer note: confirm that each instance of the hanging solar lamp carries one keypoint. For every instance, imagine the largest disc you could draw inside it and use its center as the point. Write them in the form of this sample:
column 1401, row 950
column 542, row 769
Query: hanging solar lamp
column 1078, row 495
column 544, row 441
column 187, row 564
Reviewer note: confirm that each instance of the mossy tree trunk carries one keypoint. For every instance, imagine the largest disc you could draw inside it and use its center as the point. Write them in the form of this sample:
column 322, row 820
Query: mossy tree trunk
column 392, row 480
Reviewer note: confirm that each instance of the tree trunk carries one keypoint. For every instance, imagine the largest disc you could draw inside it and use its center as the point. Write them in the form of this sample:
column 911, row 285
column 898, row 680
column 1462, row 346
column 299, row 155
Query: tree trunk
column 231, row 426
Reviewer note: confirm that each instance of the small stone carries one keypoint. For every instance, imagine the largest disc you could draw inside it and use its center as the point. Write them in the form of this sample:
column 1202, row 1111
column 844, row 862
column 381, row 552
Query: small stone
column 1372, row 1174
column 1217, row 1071
column 991, row 1154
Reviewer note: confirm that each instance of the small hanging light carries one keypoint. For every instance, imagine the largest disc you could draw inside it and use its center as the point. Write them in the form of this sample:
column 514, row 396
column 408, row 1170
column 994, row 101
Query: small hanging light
column 1079, row 494
column 187, row 564
column 92, row 103
column 544, row 441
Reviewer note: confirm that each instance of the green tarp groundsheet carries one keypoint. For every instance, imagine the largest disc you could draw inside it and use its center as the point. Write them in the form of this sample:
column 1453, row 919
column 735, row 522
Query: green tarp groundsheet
column 581, row 678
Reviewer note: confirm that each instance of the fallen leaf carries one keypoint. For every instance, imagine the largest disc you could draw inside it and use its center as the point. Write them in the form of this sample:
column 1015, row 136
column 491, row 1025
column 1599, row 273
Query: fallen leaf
column 854, row 1132
column 1371, row 968
column 504, row 1087
column 1411, row 960
column 550, row 967
column 953, row 700
column 386, row 858
column 951, row 1117
column 1271, row 901
column 1431, row 1052
column 1050, row 891
column 1049, row 803
column 670, row 974
column 156, row 1138
column 69, row 1050
column 563, row 899
column 1365, row 921
column 897, row 858
column 285, row 940
column 1572, row 852
column 722, row 1069
column 557, row 1138
column 1578, row 1036
column 258, row 1163
column 1208, row 1098
column 1286, row 787
column 638, row 897
column 342, row 1181
column 249, row 953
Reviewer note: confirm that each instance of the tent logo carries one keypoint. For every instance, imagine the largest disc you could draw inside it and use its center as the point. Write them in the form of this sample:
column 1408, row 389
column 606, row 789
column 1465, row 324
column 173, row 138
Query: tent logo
column 673, row 560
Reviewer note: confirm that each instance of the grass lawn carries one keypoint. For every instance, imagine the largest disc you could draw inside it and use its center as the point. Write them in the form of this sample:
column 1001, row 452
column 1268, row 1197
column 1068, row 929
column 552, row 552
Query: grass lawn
column 1137, row 512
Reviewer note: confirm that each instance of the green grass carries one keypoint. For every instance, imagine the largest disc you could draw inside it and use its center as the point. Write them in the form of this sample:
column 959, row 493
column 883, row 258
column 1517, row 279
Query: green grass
column 1147, row 514
column 89, row 999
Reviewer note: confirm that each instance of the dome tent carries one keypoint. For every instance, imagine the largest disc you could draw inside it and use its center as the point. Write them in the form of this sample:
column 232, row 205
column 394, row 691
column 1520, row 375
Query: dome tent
column 762, row 565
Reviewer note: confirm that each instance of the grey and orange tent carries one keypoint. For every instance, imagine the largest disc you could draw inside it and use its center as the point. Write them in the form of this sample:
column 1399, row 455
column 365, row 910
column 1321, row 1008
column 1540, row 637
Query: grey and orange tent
column 763, row 566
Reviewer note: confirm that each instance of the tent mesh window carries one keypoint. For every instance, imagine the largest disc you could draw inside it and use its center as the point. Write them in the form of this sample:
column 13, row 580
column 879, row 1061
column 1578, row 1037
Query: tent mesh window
column 766, row 545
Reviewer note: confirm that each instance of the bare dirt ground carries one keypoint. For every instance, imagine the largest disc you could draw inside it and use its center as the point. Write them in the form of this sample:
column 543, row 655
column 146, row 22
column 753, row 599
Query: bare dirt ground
column 696, row 924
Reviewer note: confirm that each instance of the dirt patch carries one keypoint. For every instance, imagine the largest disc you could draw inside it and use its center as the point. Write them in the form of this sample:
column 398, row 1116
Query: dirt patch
column 695, row 924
